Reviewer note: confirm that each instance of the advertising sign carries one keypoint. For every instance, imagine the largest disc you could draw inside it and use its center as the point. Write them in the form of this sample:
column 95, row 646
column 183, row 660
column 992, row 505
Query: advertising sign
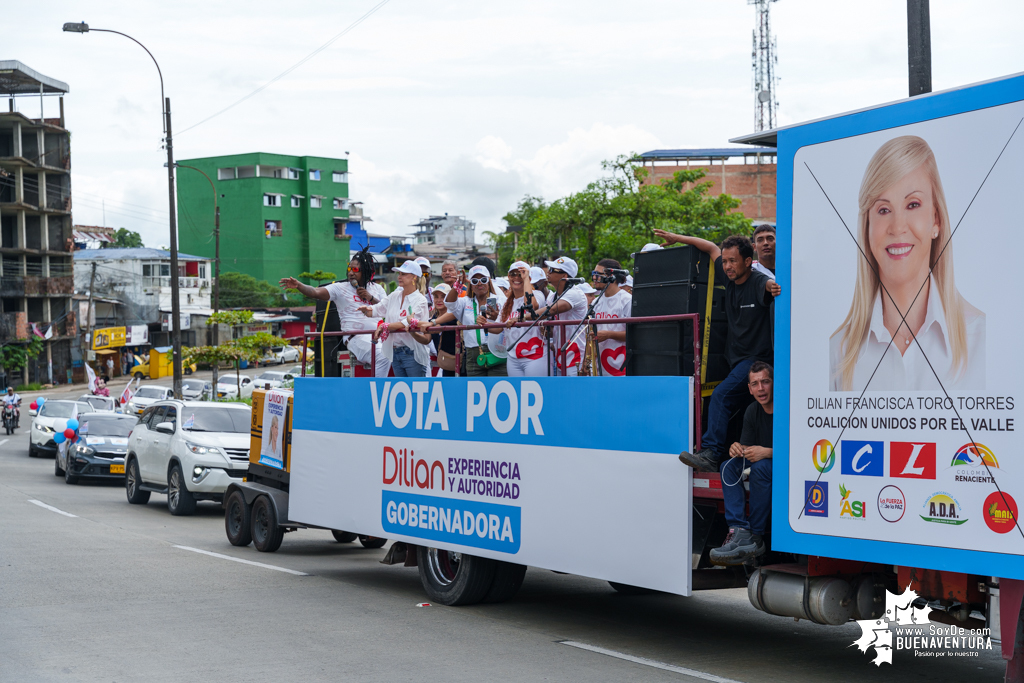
column 256, row 328
column 899, row 380
column 531, row 471
column 272, row 442
column 108, row 338
column 138, row 335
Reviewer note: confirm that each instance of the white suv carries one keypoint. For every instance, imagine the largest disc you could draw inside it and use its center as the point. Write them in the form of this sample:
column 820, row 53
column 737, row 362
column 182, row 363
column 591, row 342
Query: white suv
column 189, row 450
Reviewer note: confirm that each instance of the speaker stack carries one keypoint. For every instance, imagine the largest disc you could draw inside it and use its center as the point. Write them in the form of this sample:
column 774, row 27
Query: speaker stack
column 326, row 364
column 669, row 282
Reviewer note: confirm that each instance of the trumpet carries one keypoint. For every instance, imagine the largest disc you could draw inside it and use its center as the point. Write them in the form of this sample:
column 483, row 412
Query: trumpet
column 589, row 353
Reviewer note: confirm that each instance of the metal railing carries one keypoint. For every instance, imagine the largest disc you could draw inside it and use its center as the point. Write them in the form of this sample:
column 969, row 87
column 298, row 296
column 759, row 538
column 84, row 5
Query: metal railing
column 561, row 326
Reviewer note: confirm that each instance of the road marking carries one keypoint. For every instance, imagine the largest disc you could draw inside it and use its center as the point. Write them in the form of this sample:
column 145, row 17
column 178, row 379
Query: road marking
column 649, row 662
column 4, row 441
column 51, row 508
column 236, row 559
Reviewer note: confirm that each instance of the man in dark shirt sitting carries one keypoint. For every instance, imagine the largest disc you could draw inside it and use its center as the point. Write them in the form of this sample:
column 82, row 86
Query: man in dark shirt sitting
column 748, row 297
column 746, row 533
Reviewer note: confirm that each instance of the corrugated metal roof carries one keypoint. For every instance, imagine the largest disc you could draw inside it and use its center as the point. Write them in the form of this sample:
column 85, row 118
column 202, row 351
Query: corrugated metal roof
column 131, row 253
column 18, row 79
column 706, row 153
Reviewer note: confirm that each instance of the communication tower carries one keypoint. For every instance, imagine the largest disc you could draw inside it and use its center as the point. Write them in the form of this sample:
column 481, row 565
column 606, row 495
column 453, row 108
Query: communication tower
column 764, row 60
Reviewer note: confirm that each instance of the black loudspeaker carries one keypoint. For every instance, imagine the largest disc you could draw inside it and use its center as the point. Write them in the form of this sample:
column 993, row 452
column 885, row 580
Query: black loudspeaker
column 675, row 264
column 328, row 366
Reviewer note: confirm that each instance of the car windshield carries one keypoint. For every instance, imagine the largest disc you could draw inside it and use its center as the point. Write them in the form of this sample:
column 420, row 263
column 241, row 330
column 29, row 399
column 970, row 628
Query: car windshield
column 98, row 402
column 151, row 392
column 229, row 381
column 57, row 409
column 271, row 376
column 110, row 426
column 230, row 420
column 193, row 384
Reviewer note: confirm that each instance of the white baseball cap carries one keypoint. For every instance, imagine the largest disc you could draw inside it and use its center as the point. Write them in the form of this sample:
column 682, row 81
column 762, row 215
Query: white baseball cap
column 443, row 288
column 409, row 267
column 520, row 265
column 501, row 282
column 565, row 264
column 423, row 261
column 628, row 282
column 537, row 274
column 480, row 270
column 651, row 246
column 586, row 288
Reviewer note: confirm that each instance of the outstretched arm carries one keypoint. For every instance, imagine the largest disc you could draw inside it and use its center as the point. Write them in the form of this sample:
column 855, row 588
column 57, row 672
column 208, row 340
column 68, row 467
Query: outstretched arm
column 708, row 247
column 320, row 293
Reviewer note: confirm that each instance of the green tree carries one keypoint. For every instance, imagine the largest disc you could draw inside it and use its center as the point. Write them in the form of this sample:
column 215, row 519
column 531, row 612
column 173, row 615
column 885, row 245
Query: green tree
column 14, row 356
column 504, row 243
column 239, row 290
column 320, row 276
column 124, row 238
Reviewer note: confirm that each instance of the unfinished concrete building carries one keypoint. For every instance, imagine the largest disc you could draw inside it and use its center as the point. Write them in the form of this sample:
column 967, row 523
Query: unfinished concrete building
column 36, row 282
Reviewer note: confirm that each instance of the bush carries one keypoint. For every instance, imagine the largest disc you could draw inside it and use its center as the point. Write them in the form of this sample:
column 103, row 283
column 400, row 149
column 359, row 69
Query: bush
column 28, row 387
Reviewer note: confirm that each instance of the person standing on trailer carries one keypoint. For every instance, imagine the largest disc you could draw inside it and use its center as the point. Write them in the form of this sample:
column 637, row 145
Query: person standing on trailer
column 479, row 308
column 573, row 305
column 405, row 312
column 616, row 303
column 745, row 540
column 748, row 298
column 527, row 352
column 764, row 248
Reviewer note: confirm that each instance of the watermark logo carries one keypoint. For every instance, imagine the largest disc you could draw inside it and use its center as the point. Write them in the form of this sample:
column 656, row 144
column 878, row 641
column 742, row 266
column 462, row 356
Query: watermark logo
column 823, row 456
column 892, row 504
column 1000, row 512
column 905, row 627
column 816, row 498
column 850, row 509
column 942, row 508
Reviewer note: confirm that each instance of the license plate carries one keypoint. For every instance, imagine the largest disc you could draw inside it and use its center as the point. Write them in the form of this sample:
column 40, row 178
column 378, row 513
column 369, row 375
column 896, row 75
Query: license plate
column 117, row 469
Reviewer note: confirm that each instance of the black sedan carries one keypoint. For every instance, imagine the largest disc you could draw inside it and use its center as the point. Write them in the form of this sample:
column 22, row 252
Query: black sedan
column 100, row 450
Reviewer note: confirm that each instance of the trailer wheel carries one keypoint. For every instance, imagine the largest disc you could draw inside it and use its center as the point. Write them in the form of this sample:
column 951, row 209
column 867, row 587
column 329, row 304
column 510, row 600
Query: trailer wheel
column 631, row 590
column 266, row 533
column 238, row 519
column 508, row 577
column 372, row 542
column 452, row 578
column 344, row 536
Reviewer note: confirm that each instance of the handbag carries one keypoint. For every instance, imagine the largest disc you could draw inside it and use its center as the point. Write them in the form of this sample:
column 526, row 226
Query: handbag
column 446, row 361
column 486, row 359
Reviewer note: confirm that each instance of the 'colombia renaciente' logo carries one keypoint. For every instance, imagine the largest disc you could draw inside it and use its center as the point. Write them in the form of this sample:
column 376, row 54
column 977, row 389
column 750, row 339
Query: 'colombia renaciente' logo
column 942, row 508
column 975, row 455
column 853, row 509
column 816, row 498
column 1000, row 512
column 823, row 456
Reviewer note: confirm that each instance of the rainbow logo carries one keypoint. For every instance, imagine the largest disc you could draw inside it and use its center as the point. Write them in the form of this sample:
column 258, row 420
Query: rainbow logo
column 823, row 456
column 975, row 455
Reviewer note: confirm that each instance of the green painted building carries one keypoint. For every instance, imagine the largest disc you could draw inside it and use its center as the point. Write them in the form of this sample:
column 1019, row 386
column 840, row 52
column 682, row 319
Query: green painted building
column 279, row 215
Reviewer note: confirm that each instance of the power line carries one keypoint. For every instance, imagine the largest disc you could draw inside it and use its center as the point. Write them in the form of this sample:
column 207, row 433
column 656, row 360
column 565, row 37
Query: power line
column 292, row 68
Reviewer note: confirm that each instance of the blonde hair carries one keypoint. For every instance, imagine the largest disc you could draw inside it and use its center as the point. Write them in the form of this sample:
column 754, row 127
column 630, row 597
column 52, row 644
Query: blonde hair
column 894, row 160
column 506, row 310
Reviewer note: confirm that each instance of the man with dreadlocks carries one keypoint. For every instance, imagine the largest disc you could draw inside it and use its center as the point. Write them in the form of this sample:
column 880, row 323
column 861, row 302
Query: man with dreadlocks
column 358, row 290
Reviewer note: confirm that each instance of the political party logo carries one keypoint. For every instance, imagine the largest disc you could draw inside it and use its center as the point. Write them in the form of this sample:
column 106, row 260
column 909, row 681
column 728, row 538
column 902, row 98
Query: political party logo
column 1000, row 511
column 974, row 455
column 912, row 460
column 816, row 498
column 891, row 503
column 866, row 458
column 942, row 508
column 849, row 508
column 822, row 455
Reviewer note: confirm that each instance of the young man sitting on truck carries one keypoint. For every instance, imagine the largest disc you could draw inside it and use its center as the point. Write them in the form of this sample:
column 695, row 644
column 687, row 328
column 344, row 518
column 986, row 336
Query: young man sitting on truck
column 748, row 296
column 746, row 533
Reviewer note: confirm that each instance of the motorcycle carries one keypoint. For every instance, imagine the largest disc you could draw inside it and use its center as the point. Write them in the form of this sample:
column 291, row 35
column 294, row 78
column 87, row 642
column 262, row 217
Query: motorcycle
column 10, row 420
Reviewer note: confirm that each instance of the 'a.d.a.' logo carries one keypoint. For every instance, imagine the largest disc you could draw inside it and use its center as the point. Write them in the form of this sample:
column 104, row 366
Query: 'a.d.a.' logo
column 1000, row 512
column 850, row 509
column 942, row 508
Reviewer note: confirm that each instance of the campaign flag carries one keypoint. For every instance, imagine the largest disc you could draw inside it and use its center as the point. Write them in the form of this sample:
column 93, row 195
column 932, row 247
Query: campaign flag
column 92, row 378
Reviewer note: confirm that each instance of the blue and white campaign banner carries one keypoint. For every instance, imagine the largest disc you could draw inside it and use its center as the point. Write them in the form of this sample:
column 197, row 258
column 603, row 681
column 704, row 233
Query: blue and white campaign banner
column 574, row 475
column 897, row 339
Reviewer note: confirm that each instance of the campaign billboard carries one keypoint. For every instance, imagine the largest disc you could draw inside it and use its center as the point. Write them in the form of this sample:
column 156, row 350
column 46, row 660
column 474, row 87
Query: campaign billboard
column 897, row 370
column 574, row 475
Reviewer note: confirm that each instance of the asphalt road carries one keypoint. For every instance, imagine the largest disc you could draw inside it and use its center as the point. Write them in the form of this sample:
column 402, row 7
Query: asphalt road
column 107, row 595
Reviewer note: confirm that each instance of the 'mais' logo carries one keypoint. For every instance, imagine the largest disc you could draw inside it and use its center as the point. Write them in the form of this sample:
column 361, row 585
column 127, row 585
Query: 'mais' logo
column 854, row 509
column 816, row 498
column 1000, row 512
column 942, row 508
column 912, row 460
column 823, row 456
column 974, row 455
column 866, row 458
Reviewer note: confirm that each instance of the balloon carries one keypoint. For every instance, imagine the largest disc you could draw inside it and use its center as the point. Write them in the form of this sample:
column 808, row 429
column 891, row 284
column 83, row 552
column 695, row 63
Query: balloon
column 33, row 405
column 73, row 424
column 69, row 433
column 74, row 439
column 40, row 400
column 59, row 437
column 60, row 425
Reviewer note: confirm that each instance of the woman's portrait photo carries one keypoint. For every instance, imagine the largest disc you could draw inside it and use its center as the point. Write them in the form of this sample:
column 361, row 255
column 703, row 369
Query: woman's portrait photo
column 272, row 444
column 905, row 287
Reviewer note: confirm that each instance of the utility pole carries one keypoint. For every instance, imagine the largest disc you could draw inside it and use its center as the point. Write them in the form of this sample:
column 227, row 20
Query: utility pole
column 919, row 47
column 87, row 339
column 175, row 304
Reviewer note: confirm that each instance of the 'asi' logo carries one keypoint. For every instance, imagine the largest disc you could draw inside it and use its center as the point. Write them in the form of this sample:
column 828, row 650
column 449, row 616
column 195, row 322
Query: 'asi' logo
column 1000, row 512
column 942, row 508
column 823, row 456
column 816, row 498
column 912, row 460
column 974, row 455
column 853, row 509
column 866, row 458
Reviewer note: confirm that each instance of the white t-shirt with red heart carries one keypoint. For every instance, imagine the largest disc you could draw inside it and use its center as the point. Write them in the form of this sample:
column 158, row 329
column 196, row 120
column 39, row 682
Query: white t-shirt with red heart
column 612, row 352
column 578, row 301
column 523, row 344
column 344, row 296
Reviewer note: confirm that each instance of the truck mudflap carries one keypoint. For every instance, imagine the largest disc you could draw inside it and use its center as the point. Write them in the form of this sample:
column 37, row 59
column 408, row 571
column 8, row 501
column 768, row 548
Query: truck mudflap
column 277, row 497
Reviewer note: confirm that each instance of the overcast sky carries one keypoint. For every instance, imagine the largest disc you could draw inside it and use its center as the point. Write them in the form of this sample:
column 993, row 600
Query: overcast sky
column 461, row 107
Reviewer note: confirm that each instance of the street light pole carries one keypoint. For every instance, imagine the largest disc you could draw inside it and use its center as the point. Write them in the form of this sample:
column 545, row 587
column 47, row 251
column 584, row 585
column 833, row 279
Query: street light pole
column 168, row 144
column 919, row 47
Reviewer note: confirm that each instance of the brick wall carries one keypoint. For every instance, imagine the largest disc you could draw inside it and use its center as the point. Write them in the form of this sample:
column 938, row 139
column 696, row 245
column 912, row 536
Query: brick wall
column 752, row 184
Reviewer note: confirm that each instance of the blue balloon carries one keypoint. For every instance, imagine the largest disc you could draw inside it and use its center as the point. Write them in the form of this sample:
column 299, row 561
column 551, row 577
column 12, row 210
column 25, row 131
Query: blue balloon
column 40, row 400
column 73, row 424
column 59, row 437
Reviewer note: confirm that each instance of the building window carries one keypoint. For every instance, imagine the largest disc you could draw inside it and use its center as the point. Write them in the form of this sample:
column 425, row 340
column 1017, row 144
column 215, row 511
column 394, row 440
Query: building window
column 272, row 228
column 225, row 174
column 340, row 204
column 294, row 173
column 315, row 202
column 202, row 271
column 296, row 201
column 340, row 176
column 271, row 200
column 314, row 174
column 156, row 270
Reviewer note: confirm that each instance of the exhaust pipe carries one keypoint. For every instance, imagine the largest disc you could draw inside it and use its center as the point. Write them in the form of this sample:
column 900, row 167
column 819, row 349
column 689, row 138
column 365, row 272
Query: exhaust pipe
column 821, row 599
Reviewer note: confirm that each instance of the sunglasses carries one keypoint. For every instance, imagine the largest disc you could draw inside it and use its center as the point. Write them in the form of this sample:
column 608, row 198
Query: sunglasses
column 556, row 271
column 594, row 274
column 517, row 274
column 479, row 280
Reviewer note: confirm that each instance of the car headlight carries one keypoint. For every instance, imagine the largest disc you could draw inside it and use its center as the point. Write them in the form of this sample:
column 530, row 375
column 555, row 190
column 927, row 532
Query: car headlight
column 43, row 428
column 202, row 450
column 199, row 473
column 83, row 451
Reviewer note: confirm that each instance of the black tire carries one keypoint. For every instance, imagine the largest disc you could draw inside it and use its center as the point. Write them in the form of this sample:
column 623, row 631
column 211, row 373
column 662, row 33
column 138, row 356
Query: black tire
column 68, row 477
column 344, row 536
column 372, row 542
column 32, row 450
column 266, row 533
column 508, row 578
column 138, row 375
column 180, row 501
column 451, row 578
column 186, row 371
column 57, row 471
column 132, row 480
column 631, row 590
column 238, row 519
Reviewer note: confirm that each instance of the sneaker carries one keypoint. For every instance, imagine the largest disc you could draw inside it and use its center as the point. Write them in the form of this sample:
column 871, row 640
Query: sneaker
column 741, row 546
column 701, row 461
